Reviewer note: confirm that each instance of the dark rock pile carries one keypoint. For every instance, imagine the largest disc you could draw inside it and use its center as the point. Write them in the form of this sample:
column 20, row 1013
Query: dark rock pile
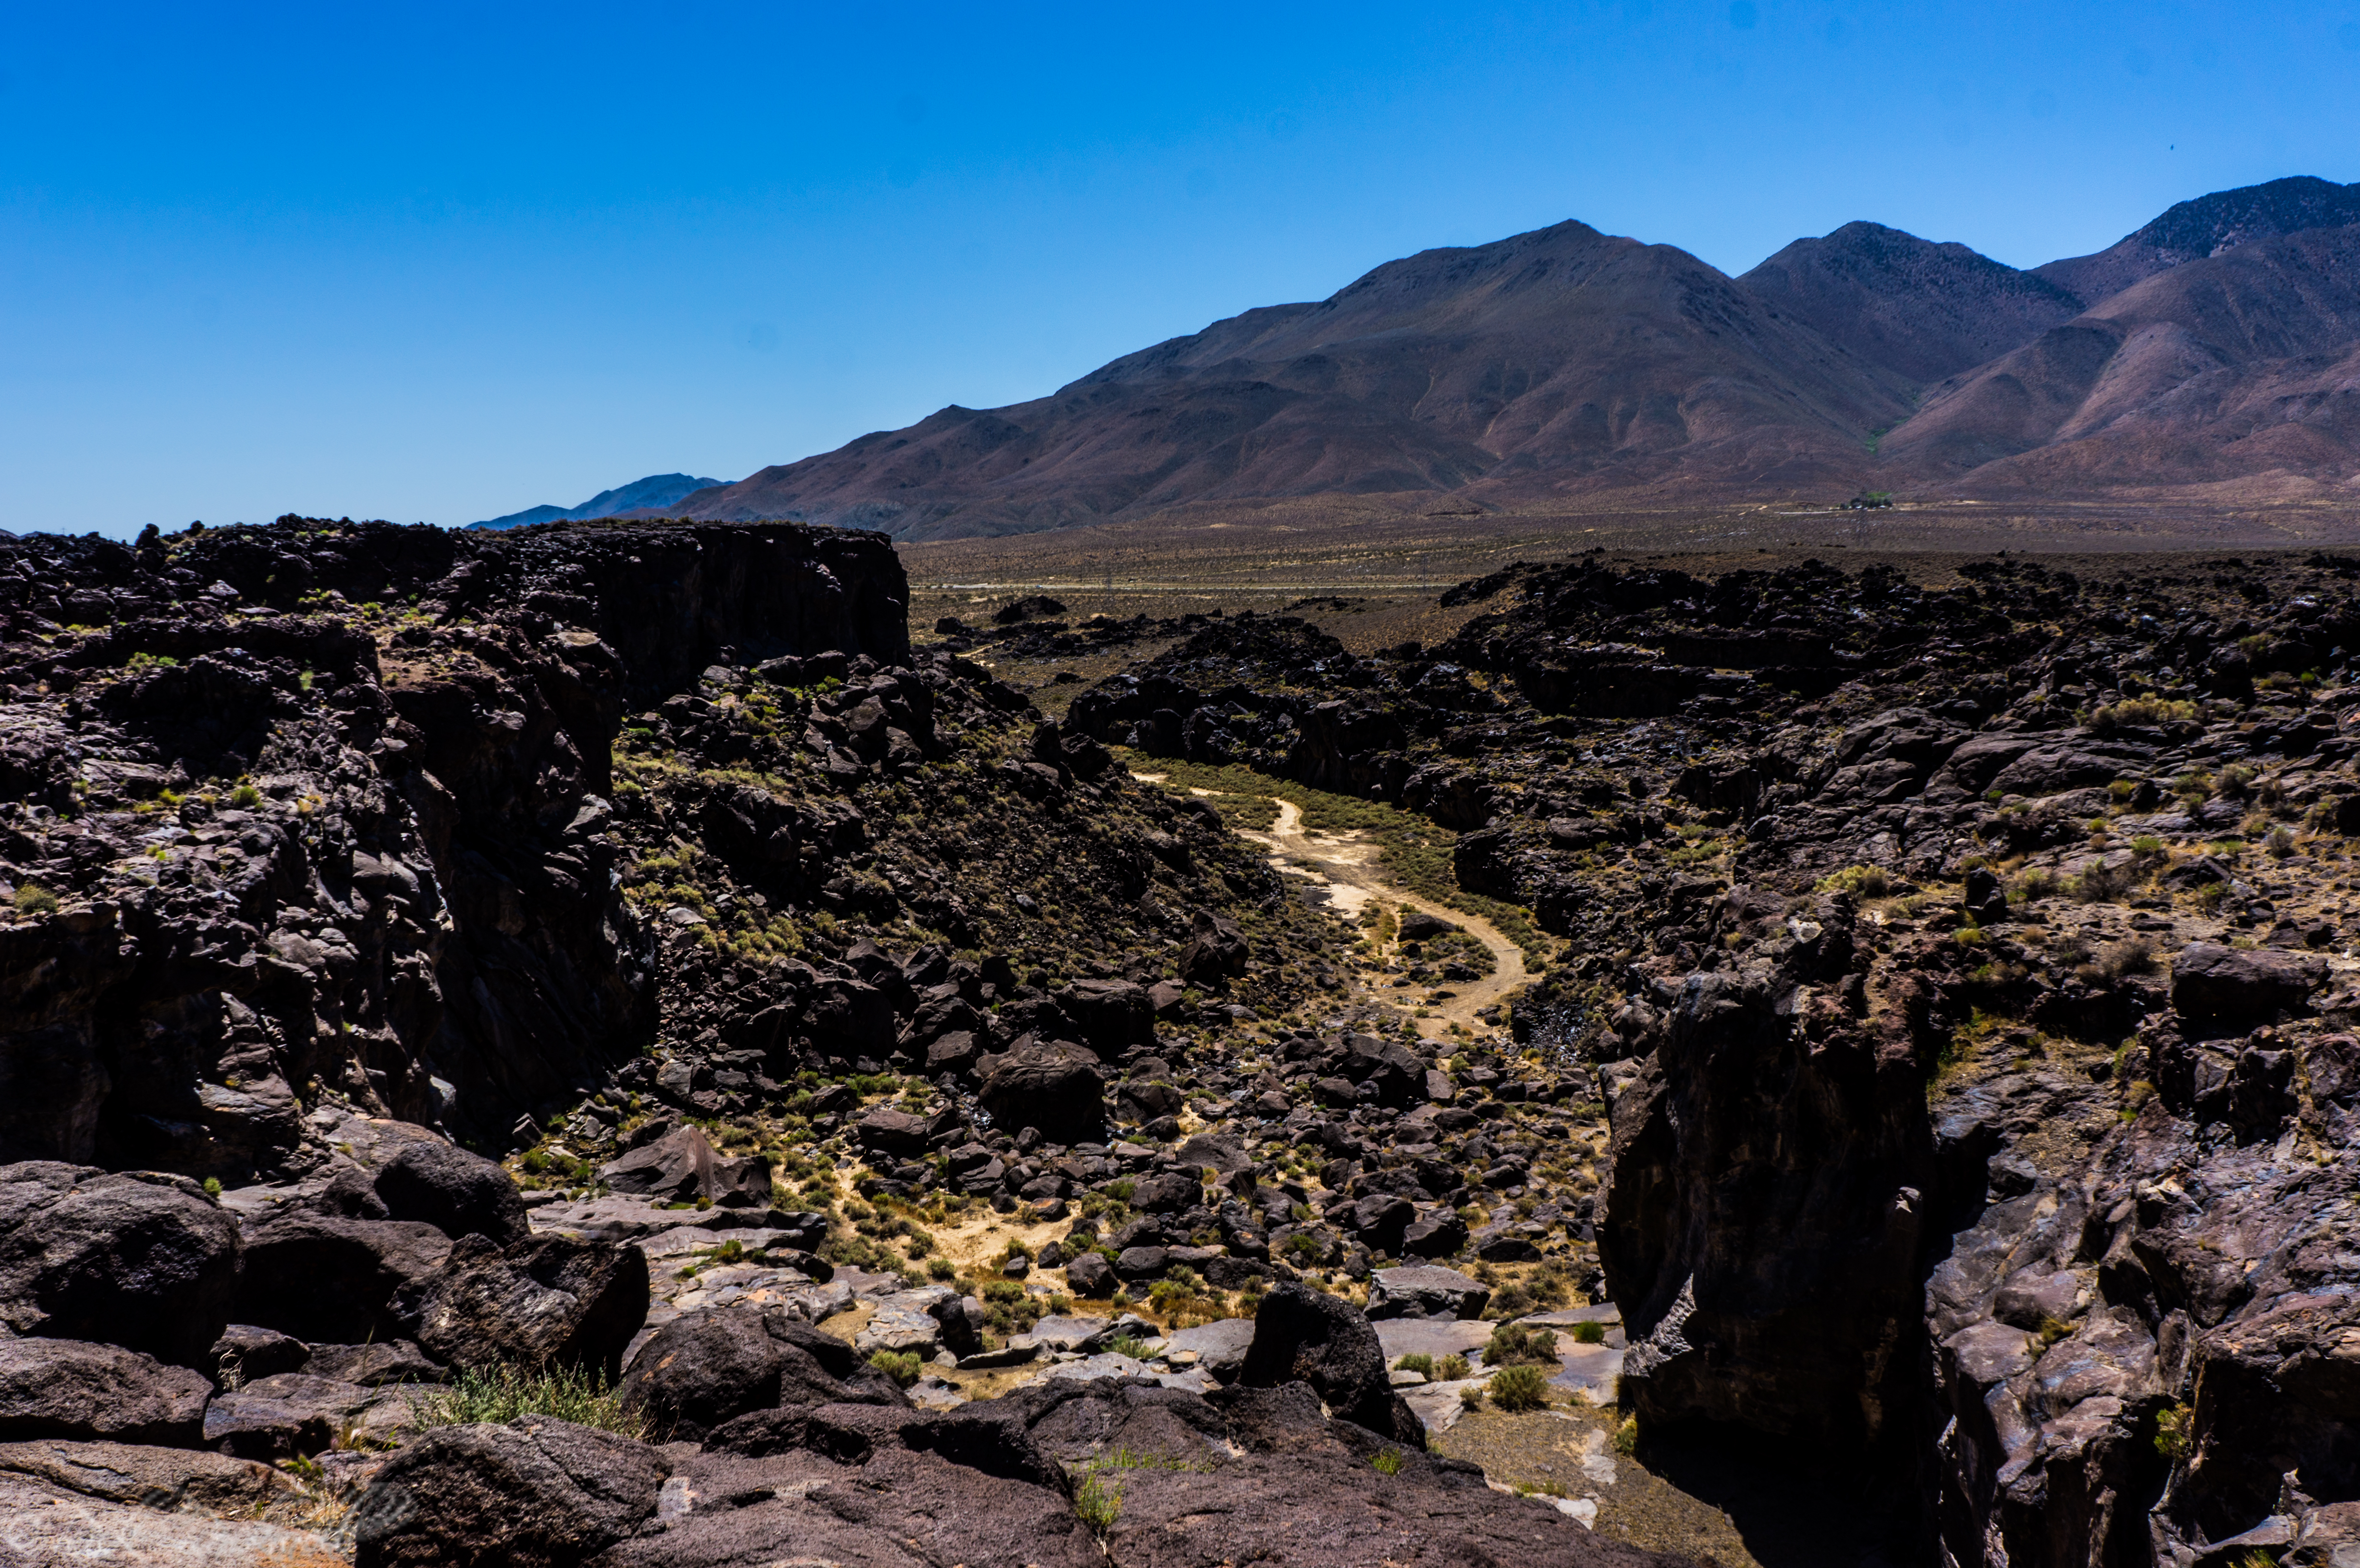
column 1967, row 971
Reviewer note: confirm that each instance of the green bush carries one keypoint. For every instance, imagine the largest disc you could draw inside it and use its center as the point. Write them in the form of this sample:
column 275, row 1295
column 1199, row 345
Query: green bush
column 507, row 1391
column 901, row 1366
column 1516, row 1344
column 1590, row 1334
column 1420, row 1364
column 1451, row 1369
column 32, row 899
column 1388, row 1462
column 1516, row 1389
column 1626, row 1436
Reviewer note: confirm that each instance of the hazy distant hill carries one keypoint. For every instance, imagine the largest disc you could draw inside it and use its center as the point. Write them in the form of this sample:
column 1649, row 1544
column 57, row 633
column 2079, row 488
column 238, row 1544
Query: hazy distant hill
column 656, row 491
column 2213, row 346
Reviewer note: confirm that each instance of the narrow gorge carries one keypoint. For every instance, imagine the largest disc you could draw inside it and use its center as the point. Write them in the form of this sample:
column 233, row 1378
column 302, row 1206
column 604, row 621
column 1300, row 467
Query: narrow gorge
column 600, row 1042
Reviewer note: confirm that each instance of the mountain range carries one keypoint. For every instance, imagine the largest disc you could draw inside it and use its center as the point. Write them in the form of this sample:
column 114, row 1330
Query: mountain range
column 2215, row 353
column 643, row 496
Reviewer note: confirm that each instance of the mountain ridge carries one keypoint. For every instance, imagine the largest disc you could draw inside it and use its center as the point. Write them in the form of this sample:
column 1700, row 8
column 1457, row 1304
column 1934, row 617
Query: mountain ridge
column 1565, row 364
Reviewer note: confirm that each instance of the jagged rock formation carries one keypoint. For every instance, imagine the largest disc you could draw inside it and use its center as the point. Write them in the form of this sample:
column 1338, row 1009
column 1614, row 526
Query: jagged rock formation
column 1918, row 1155
column 1949, row 1072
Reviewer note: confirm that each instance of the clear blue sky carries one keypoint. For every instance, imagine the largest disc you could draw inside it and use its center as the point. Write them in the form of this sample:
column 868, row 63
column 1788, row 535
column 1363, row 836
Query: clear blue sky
column 435, row 263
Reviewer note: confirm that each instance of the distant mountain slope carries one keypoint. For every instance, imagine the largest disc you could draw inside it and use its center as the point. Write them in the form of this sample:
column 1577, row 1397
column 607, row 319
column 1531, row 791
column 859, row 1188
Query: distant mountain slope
column 1556, row 361
column 2236, row 364
column 654, row 492
column 2215, row 346
column 2192, row 231
column 1919, row 310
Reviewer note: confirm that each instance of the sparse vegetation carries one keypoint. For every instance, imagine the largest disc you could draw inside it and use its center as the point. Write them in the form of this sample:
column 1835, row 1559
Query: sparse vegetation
column 507, row 1391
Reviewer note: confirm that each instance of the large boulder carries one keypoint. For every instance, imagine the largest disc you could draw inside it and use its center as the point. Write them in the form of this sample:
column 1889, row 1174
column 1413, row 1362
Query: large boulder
column 536, row 1493
column 325, row 1279
column 1302, row 1335
column 457, row 1192
column 1425, row 1293
column 1217, row 950
column 682, row 1167
column 283, row 1415
column 546, row 1300
column 705, row 1367
column 2233, row 985
column 1395, row 1071
column 68, row 1387
column 141, row 1260
column 150, row 1477
column 1056, row 1088
column 1111, row 1016
column 859, row 1484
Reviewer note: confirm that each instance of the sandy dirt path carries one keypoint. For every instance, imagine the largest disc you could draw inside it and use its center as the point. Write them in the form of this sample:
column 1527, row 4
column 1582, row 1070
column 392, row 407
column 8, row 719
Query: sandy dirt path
column 1347, row 865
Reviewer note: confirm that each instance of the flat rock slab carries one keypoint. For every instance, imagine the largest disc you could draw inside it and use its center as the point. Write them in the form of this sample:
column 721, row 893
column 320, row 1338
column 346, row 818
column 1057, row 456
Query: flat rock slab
column 1219, row 1347
column 1106, row 1365
column 152, row 1478
column 1425, row 1291
column 1591, row 1370
column 1437, row 1337
column 46, row 1524
column 1439, row 1405
column 1605, row 1312
column 1076, row 1333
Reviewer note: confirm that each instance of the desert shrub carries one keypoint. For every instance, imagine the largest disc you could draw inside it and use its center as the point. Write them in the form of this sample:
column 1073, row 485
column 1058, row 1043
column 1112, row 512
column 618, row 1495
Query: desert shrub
column 1590, row 1334
column 1420, row 1364
column 2035, row 884
column 2175, row 1431
column 1514, row 1344
column 32, row 899
column 1626, row 1436
column 2131, row 955
column 1097, row 1502
column 2234, row 782
column 1450, row 1369
column 2136, row 712
column 2280, row 844
column 507, row 1391
column 2101, row 883
column 245, row 797
column 1388, row 1462
column 1517, row 1388
column 1865, row 881
column 901, row 1366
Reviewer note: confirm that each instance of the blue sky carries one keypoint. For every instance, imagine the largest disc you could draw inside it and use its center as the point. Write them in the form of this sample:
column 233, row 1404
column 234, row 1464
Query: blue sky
column 435, row 263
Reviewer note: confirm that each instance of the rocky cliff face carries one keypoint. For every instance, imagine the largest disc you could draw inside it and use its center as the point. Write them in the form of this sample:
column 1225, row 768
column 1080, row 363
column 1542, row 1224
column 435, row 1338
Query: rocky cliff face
column 322, row 806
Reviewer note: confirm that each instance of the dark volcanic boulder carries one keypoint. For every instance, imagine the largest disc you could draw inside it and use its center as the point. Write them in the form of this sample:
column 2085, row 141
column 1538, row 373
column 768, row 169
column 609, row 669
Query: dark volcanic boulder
column 1302, row 1335
column 327, row 1280
column 1216, row 950
column 886, row 1130
column 457, row 1192
column 65, row 1387
column 546, row 1300
column 245, row 1352
column 1425, row 1293
column 533, row 1494
column 682, row 1167
column 283, row 1415
column 705, row 1368
column 1056, row 1088
column 385, row 1361
column 857, row 1484
column 144, row 1261
column 1111, row 1016
column 2230, row 984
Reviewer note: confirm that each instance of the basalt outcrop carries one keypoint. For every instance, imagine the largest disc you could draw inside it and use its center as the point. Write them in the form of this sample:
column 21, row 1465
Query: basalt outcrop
column 1964, row 968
